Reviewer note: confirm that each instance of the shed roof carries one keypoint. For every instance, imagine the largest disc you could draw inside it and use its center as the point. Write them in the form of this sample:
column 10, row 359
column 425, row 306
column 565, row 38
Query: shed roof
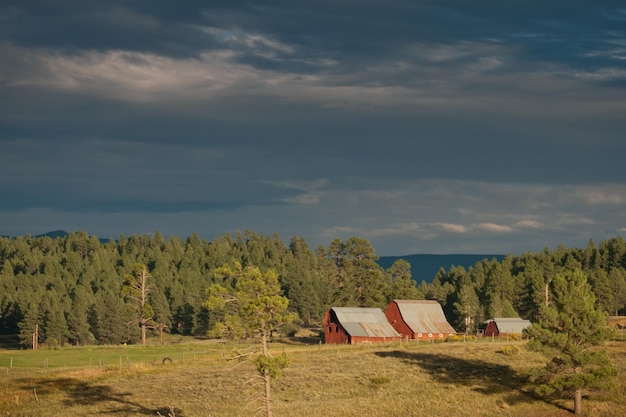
column 511, row 325
column 424, row 316
column 364, row 322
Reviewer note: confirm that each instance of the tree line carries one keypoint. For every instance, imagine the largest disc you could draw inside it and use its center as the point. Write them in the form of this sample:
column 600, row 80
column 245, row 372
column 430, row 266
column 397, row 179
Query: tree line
column 80, row 290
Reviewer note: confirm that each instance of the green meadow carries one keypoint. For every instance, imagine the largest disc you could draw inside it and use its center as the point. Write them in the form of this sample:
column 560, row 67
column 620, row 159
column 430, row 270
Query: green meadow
column 187, row 377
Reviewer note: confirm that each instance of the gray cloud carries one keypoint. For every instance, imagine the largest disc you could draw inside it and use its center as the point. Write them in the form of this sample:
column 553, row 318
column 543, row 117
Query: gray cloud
column 425, row 127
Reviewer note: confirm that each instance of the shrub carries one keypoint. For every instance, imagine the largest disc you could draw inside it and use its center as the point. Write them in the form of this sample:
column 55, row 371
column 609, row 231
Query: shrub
column 460, row 338
column 52, row 343
column 509, row 350
column 379, row 380
column 289, row 329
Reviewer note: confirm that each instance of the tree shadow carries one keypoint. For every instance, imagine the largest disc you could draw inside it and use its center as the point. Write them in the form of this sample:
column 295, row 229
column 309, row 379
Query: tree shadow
column 81, row 393
column 481, row 376
column 301, row 340
column 9, row 342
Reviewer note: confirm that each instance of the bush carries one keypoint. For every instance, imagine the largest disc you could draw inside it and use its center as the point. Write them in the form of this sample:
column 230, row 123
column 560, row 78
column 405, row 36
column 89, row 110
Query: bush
column 510, row 350
column 379, row 380
column 289, row 329
column 52, row 343
column 460, row 338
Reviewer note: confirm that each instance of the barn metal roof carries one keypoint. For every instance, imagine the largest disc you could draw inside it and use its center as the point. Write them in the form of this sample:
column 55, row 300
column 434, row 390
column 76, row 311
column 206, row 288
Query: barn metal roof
column 424, row 316
column 364, row 322
column 511, row 325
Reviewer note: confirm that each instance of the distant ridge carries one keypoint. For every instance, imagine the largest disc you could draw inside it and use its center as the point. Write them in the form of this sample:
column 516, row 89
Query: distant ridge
column 54, row 234
column 59, row 234
column 424, row 267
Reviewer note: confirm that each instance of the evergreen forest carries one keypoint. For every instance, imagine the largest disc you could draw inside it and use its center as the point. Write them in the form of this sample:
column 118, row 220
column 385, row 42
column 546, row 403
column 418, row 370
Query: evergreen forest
column 74, row 289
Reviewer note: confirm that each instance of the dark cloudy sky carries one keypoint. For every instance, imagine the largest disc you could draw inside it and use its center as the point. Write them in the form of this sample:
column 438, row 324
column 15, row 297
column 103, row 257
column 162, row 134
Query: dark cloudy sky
column 424, row 126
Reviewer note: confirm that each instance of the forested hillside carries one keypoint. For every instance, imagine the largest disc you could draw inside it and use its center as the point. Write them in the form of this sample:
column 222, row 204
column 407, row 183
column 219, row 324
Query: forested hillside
column 75, row 289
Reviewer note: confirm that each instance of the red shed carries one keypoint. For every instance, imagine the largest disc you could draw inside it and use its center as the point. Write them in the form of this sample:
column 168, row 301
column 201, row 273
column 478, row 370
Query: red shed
column 505, row 326
column 419, row 319
column 354, row 325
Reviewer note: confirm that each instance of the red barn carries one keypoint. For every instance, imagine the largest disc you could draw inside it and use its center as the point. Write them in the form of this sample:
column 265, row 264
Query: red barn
column 505, row 326
column 354, row 325
column 419, row 319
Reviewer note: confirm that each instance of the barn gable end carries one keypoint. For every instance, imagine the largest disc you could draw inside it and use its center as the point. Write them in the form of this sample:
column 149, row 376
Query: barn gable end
column 419, row 319
column 354, row 325
column 505, row 326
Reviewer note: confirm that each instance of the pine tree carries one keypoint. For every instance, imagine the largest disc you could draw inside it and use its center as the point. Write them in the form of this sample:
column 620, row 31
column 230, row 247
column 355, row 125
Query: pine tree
column 136, row 290
column 54, row 328
column 301, row 283
column 533, row 291
column 402, row 286
column 29, row 324
column 78, row 318
column 467, row 308
column 109, row 319
column 499, row 287
column 618, row 289
column 360, row 280
column 571, row 332
column 601, row 286
column 257, row 308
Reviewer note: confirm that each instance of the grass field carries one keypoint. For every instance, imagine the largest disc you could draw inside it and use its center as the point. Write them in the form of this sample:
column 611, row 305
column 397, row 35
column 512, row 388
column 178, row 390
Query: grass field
column 193, row 378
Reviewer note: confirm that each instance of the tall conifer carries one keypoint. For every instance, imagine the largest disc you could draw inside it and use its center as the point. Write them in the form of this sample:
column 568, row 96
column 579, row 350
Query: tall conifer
column 571, row 332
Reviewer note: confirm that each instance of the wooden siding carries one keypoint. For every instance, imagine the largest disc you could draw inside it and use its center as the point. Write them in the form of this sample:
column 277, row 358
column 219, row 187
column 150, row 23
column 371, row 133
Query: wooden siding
column 491, row 329
column 395, row 319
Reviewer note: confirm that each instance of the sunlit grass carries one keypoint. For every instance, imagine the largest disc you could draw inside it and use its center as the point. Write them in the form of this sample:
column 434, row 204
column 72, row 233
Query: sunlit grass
column 445, row 379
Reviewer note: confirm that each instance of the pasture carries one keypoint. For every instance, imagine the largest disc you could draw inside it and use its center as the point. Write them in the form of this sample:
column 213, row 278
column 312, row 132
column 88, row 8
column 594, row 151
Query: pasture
column 203, row 378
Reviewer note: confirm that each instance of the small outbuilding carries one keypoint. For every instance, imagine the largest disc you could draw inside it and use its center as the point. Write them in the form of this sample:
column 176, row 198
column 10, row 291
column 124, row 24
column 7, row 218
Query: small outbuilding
column 505, row 326
column 354, row 325
column 419, row 319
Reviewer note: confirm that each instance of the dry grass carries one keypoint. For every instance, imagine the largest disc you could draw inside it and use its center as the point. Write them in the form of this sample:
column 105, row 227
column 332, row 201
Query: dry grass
column 449, row 379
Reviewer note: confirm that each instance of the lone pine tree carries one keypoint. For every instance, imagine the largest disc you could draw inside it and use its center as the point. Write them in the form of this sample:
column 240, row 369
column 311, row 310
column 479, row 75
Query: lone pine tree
column 571, row 332
column 136, row 290
column 252, row 306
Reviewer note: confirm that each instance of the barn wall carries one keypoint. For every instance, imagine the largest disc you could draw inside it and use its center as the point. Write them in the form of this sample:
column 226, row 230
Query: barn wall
column 395, row 319
column 355, row 340
column 335, row 334
column 431, row 336
column 491, row 329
